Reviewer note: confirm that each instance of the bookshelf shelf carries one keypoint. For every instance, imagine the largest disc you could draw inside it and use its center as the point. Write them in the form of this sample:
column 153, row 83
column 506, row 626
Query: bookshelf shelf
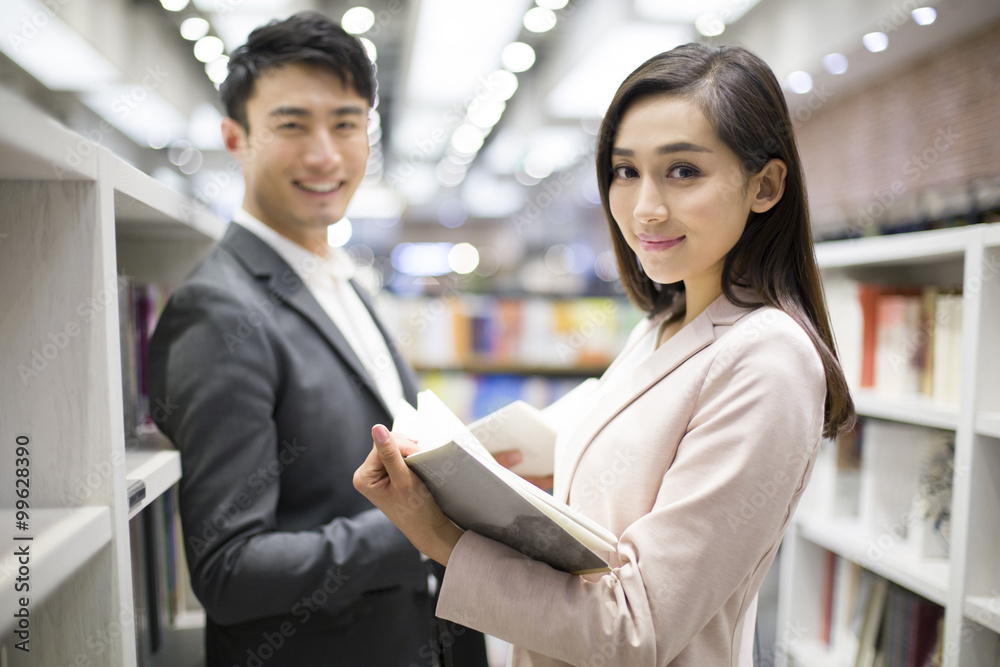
column 63, row 541
column 846, row 538
column 157, row 469
column 35, row 147
column 77, row 217
column 810, row 653
column 988, row 424
column 936, row 245
column 984, row 610
column 911, row 410
column 935, row 265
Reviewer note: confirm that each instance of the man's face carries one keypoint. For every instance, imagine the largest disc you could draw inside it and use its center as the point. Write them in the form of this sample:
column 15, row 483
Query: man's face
column 306, row 151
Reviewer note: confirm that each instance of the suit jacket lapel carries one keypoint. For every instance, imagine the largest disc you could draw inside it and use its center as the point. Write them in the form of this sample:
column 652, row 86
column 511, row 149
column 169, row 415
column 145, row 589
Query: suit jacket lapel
column 687, row 342
column 285, row 286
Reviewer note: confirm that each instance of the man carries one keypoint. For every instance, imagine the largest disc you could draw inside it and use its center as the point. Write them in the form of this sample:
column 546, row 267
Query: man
column 275, row 369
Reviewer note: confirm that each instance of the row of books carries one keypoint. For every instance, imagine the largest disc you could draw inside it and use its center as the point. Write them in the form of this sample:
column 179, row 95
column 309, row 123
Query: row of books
column 462, row 331
column 870, row 622
column 139, row 306
column 161, row 588
column 474, row 395
column 911, row 342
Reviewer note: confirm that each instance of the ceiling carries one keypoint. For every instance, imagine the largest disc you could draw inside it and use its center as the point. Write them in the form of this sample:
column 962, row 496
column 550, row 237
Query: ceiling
column 464, row 149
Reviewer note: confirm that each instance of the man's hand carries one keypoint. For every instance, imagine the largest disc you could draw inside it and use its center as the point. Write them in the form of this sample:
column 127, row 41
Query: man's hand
column 390, row 485
column 511, row 458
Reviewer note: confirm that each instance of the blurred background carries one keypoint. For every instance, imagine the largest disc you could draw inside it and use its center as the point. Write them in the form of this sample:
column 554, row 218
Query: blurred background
column 481, row 172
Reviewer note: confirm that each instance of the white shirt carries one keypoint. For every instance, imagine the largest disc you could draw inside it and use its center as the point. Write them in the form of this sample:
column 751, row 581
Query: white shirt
column 328, row 280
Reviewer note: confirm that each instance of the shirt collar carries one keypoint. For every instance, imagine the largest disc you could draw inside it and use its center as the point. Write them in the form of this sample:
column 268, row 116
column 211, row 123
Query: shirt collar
column 337, row 263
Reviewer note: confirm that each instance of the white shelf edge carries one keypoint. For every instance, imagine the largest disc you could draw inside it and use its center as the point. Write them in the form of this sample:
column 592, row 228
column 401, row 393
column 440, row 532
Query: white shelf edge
column 43, row 148
column 928, row 578
column 892, row 248
column 63, row 540
column 158, row 469
column 988, row 423
column 811, row 653
column 984, row 610
column 910, row 410
column 155, row 203
column 991, row 237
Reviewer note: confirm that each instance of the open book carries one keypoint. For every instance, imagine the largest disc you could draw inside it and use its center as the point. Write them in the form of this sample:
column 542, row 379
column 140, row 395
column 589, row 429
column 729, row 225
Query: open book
column 530, row 430
column 480, row 495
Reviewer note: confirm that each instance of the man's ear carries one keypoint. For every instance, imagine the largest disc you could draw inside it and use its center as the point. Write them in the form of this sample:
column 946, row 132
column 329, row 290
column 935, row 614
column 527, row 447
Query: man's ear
column 234, row 137
column 769, row 185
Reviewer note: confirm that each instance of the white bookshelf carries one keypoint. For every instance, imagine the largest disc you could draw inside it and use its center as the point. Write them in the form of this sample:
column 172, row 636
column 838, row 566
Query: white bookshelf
column 76, row 216
column 966, row 583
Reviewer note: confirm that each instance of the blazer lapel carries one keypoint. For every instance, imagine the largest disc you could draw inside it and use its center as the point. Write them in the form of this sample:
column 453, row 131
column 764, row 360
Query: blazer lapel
column 687, row 342
column 285, row 285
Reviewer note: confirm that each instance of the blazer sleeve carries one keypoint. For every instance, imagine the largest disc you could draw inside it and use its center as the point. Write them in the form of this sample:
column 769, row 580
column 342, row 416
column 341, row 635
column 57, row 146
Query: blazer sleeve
column 215, row 398
column 750, row 444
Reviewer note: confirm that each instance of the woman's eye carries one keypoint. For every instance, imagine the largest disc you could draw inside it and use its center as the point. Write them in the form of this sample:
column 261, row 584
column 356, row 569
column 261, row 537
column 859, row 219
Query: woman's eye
column 625, row 172
column 683, row 171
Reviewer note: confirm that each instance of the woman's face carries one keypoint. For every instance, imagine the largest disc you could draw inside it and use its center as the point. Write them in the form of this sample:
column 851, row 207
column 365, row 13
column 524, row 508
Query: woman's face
column 677, row 191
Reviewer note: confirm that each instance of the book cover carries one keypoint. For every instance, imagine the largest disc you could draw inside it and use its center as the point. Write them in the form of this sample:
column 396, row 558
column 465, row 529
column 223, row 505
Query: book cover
column 479, row 494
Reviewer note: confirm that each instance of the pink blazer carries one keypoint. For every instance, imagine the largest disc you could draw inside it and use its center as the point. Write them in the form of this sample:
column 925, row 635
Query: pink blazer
column 696, row 463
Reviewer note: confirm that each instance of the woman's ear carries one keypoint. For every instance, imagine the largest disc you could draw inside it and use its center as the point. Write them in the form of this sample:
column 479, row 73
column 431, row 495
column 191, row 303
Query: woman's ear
column 769, row 185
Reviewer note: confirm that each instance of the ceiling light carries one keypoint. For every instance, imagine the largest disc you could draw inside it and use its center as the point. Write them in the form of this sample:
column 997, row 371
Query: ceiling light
column 835, row 63
column 710, row 25
column 369, row 48
column 538, row 19
column 517, row 57
column 504, row 84
column 357, row 20
column 537, row 165
column 452, row 213
column 799, row 82
column 876, row 41
column 551, row 4
column 174, row 5
column 194, row 28
column 686, row 12
column 463, row 258
column 208, row 49
column 924, row 15
column 339, row 233
column 467, row 139
column 486, row 113
column 422, row 259
column 218, row 69
column 374, row 121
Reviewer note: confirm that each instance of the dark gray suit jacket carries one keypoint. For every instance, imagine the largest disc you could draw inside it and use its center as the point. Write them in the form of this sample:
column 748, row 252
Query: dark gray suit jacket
column 272, row 412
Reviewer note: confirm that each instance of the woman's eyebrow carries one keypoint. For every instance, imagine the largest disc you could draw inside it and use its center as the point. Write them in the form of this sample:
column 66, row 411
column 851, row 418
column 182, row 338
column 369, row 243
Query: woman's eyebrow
column 678, row 147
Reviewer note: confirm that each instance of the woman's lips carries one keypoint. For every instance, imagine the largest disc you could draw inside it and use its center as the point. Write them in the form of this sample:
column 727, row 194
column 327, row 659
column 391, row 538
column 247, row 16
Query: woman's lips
column 658, row 243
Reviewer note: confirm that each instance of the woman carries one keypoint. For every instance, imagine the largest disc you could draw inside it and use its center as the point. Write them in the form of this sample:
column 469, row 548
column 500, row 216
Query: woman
column 704, row 430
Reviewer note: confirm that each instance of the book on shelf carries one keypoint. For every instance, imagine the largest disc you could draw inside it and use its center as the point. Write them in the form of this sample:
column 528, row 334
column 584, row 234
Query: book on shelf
column 877, row 623
column 530, row 430
column 904, row 491
column 911, row 341
column 479, row 494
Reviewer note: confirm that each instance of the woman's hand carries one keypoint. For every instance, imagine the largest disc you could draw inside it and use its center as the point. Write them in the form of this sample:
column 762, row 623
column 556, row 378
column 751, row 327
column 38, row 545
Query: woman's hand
column 511, row 458
column 390, row 485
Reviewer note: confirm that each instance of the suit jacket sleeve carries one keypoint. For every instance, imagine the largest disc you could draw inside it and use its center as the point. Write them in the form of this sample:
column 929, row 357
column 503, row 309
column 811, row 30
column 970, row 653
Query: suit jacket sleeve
column 754, row 431
column 214, row 377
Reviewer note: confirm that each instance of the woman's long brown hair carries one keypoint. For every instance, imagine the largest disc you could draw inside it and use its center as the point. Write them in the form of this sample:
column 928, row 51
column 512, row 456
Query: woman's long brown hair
column 774, row 258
